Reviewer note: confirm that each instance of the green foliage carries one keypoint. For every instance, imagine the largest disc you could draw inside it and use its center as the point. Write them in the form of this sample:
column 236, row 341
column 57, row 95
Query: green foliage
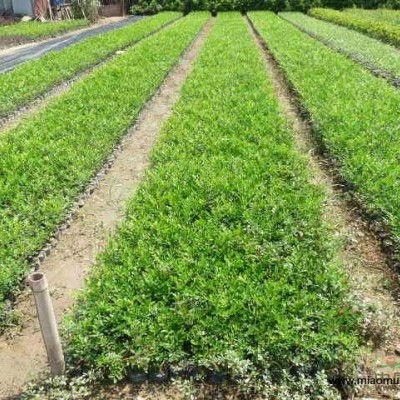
column 144, row 7
column 64, row 387
column 382, row 14
column 223, row 261
column 85, row 386
column 381, row 29
column 215, row 6
column 377, row 56
column 48, row 159
column 9, row 319
column 30, row 80
column 38, row 30
column 394, row 4
column 355, row 114
column 148, row 7
column 88, row 9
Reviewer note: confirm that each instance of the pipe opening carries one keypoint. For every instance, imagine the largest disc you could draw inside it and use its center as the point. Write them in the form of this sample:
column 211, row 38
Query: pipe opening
column 36, row 276
column 37, row 281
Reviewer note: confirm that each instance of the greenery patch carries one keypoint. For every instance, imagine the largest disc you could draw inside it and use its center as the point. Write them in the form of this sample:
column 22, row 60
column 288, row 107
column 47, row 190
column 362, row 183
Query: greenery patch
column 39, row 30
column 355, row 115
column 48, row 159
column 35, row 77
column 377, row 56
column 381, row 29
column 223, row 263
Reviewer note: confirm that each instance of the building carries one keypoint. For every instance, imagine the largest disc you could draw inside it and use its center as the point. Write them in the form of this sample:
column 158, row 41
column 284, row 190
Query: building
column 17, row 7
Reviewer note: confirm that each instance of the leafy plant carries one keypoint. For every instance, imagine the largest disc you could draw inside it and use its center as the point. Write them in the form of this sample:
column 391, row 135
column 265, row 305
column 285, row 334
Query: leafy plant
column 384, row 30
column 48, row 159
column 88, row 9
column 147, row 7
column 65, row 387
column 222, row 263
column 355, row 115
column 28, row 81
column 379, row 57
column 39, row 30
column 382, row 14
column 215, row 6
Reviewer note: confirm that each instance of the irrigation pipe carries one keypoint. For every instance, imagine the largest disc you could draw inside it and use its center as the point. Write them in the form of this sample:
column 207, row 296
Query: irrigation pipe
column 40, row 288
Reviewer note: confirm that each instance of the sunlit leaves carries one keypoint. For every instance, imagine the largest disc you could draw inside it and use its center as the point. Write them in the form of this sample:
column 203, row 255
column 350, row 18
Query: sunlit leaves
column 35, row 77
column 381, row 29
column 355, row 113
column 49, row 158
column 223, row 261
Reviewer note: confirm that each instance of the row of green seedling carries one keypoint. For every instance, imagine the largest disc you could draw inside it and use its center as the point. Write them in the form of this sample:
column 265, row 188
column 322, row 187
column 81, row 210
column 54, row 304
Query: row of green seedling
column 37, row 30
column 381, row 14
column 384, row 30
column 380, row 58
column 30, row 80
column 48, row 159
column 222, row 265
column 355, row 117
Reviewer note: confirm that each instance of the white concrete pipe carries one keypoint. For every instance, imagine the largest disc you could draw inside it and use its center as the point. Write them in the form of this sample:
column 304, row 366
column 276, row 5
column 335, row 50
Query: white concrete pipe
column 38, row 283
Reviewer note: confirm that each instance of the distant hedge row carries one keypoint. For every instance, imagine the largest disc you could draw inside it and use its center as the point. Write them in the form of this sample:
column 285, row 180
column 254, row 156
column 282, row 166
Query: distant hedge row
column 214, row 6
column 155, row 6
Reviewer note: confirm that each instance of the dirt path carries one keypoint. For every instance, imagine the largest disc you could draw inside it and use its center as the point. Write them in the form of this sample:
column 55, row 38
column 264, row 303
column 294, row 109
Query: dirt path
column 15, row 56
column 374, row 287
column 22, row 352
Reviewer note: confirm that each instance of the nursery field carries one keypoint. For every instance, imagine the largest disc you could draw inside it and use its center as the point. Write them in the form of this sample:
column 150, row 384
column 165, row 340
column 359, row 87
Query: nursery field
column 46, row 160
column 198, row 275
column 36, row 30
column 388, row 31
column 32, row 30
column 380, row 58
column 380, row 14
column 30, row 80
column 355, row 114
column 225, row 267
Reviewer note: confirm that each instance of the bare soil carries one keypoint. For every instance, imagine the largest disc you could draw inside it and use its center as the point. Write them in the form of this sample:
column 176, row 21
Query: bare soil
column 22, row 352
column 374, row 287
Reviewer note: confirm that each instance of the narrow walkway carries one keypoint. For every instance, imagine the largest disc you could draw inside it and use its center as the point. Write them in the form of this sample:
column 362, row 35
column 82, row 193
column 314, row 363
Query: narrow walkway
column 9, row 60
column 22, row 352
